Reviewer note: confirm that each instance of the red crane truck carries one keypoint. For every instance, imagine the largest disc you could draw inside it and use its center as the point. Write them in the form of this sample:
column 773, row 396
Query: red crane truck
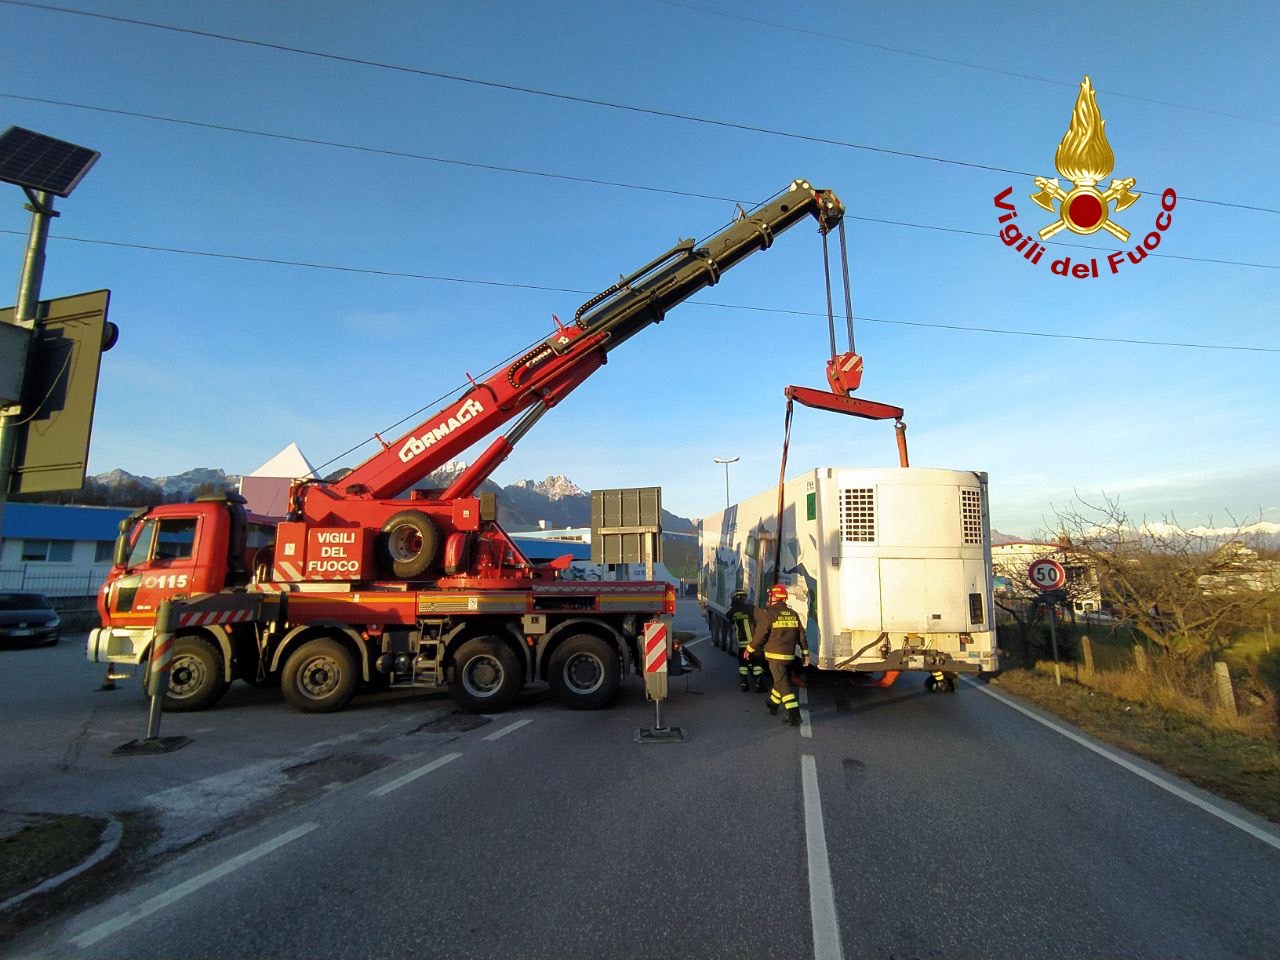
column 356, row 585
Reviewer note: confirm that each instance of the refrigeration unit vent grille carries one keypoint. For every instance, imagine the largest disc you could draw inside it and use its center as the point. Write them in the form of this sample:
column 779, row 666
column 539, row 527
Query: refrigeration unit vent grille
column 858, row 515
column 971, row 515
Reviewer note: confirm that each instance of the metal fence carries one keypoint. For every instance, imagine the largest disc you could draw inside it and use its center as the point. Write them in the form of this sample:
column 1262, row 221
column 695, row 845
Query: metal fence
column 38, row 578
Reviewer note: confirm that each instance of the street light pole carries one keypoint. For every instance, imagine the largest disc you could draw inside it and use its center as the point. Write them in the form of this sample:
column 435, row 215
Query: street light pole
column 726, row 477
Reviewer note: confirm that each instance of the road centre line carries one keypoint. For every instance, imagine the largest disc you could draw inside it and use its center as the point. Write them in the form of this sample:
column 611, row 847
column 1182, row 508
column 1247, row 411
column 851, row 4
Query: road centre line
column 806, row 730
column 413, row 775
column 1173, row 788
column 162, row 900
column 822, row 900
column 499, row 734
column 692, row 643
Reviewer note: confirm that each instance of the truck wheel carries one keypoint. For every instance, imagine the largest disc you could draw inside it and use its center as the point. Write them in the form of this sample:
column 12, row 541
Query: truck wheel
column 486, row 675
column 320, row 676
column 196, row 675
column 584, row 672
column 408, row 543
column 717, row 635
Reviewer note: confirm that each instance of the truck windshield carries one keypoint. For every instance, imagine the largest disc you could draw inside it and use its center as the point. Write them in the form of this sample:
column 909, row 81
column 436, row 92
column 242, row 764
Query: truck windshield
column 141, row 551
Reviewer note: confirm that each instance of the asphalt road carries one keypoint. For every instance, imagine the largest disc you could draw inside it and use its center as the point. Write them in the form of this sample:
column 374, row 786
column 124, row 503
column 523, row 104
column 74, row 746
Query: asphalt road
column 895, row 823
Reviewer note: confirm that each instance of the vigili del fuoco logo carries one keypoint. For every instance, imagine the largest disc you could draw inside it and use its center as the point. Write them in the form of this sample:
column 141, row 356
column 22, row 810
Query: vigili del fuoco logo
column 1084, row 158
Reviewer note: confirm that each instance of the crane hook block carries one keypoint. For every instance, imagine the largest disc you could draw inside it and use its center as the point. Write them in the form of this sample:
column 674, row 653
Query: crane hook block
column 844, row 373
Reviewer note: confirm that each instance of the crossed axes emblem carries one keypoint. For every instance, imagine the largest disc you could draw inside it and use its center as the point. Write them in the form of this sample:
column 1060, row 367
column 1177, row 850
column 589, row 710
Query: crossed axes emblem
column 1118, row 191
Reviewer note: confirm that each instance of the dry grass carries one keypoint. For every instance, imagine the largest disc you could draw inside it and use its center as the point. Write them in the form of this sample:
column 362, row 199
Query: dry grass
column 1188, row 693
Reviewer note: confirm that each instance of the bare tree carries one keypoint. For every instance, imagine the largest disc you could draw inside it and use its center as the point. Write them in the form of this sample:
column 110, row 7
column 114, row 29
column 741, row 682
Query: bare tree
column 1185, row 591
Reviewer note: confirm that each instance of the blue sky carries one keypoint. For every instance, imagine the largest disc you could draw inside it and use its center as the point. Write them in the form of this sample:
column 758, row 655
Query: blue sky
column 221, row 362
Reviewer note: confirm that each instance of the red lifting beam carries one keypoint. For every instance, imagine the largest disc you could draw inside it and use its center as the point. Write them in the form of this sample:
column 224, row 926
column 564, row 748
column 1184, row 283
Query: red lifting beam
column 822, row 400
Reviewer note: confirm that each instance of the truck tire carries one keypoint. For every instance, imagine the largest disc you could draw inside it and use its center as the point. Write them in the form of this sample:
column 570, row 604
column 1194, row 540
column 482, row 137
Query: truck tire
column 196, row 676
column 584, row 672
column 320, row 676
column 486, row 675
column 408, row 543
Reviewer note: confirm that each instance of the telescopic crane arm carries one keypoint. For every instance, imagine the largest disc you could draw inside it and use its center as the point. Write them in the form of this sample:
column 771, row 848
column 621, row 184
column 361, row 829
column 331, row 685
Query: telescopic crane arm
column 548, row 373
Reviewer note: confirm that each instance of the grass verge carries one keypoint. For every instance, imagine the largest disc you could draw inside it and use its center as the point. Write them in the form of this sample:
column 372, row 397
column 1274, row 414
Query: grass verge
column 32, row 919
column 1232, row 763
column 45, row 848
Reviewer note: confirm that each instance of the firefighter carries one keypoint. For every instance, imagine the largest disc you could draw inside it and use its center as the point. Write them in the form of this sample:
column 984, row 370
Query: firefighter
column 777, row 634
column 742, row 615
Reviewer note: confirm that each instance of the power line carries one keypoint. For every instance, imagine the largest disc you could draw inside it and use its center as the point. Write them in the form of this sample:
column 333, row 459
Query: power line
column 524, row 171
column 701, row 303
column 792, row 28
column 382, row 151
column 570, row 98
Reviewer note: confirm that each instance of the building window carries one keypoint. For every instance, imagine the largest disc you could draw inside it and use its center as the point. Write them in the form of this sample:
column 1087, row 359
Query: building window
column 104, row 551
column 54, row 551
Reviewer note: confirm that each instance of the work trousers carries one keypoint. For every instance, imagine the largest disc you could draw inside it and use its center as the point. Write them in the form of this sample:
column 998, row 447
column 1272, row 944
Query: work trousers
column 752, row 667
column 784, row 694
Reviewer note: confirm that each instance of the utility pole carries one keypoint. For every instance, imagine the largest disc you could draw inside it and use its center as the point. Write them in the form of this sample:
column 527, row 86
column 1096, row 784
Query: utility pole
column 726, row 477
column 41, row 207
column 43, row 167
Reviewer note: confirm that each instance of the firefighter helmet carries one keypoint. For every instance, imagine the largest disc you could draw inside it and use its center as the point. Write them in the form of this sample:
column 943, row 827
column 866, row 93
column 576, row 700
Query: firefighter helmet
column 777, row 592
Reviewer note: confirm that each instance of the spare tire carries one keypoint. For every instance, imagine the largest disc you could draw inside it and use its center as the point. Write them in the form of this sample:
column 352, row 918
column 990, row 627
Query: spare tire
column 408, row 544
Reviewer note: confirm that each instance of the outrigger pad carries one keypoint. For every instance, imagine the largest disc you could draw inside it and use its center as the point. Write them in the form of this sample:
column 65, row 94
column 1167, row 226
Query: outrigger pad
column 135, row 748
column 822, row 400
column 660, row 735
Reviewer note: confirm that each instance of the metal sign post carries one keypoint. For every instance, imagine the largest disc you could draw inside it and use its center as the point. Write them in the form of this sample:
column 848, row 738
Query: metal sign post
column 157, row 684
column 656, row 651
column 1048, row 576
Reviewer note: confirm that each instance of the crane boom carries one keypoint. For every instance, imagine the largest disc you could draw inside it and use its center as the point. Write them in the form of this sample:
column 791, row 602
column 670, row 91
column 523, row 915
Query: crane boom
column 574, row 351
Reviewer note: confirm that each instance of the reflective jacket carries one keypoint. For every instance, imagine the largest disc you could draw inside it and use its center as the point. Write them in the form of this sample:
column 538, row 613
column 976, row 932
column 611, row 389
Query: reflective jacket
column 743, row 617
column 778, row 632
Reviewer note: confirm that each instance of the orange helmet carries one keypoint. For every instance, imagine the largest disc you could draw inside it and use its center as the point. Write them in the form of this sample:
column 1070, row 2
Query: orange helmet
column 777, row 592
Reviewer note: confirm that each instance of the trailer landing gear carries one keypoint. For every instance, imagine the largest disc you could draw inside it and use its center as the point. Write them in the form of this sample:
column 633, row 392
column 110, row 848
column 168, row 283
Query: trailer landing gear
column 939, row 682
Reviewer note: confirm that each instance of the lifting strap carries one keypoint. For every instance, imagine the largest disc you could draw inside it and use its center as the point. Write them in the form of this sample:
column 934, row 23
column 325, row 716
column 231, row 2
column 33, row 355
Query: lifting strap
column 782, row 478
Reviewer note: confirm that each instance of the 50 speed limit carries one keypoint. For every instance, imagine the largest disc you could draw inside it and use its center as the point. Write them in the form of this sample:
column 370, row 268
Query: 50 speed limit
column 1047, row 574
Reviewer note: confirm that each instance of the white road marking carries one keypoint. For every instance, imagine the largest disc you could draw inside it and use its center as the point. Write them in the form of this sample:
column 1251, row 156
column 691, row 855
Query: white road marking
column 806, row 730
column 413, row 775
column 822, row 899
column 1177, row 791
column 693, row 643
column 162, row 900
column 498, row 734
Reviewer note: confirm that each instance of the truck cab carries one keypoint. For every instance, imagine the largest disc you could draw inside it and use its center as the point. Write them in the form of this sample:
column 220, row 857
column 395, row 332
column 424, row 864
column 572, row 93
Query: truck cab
column 173, row 550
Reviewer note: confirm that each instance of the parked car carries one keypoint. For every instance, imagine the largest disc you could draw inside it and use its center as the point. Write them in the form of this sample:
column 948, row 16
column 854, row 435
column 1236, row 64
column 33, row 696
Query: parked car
column 28, row 618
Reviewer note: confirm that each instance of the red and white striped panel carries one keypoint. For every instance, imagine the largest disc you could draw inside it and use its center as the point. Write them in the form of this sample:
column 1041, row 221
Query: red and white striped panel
column 655, row 647
column 213, row 617
column 287, row 570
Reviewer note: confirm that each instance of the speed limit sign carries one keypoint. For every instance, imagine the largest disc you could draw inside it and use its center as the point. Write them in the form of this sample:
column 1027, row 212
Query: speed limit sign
column 1047, row 574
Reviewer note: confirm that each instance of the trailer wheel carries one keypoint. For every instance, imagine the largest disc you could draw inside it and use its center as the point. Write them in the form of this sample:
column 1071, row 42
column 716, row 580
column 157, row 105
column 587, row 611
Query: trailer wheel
column 408, row 543
column 320, row 676
column 584, row 672
column 486, row 675
column 196, row 675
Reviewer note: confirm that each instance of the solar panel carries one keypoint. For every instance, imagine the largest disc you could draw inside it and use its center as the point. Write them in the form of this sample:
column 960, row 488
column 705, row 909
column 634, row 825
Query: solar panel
column 38, row 162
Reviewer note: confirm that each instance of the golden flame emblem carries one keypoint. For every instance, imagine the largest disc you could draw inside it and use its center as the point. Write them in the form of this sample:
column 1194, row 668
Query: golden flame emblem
column 1084, row 157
